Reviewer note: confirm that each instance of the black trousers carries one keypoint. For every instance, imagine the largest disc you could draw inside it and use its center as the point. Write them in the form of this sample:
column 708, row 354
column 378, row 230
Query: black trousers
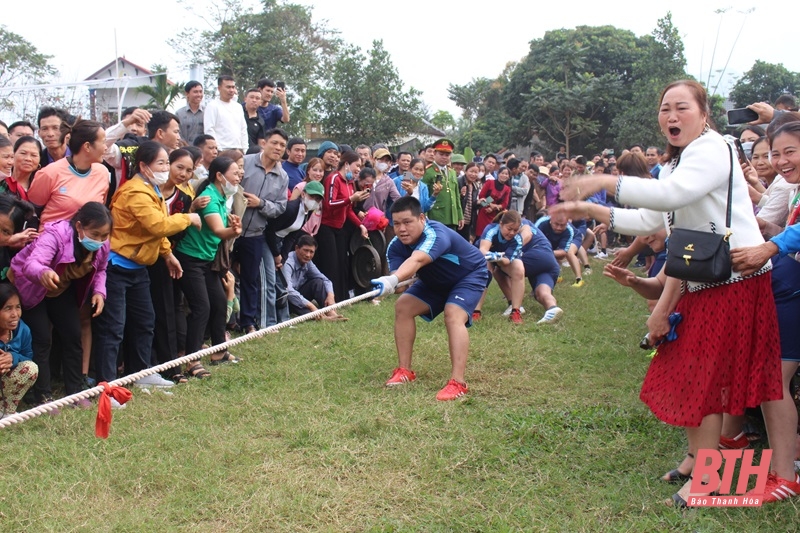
column 203, row 290
column 62, row 313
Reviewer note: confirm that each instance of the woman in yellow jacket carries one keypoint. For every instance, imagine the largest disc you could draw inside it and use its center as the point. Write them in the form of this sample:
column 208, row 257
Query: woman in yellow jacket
column 138, row 238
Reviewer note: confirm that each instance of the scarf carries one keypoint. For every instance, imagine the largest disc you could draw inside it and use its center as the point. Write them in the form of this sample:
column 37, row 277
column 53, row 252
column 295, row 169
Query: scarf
column 468, row 205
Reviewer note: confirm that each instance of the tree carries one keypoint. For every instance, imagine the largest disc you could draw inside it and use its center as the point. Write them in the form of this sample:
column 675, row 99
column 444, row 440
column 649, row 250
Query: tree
column 162, row 94
column 570, row 85
column 443, row 120
column 363, row 100
column 280, row 41
column 661, row 61
column 764, row 82
column 484, row 123
column 20, row 64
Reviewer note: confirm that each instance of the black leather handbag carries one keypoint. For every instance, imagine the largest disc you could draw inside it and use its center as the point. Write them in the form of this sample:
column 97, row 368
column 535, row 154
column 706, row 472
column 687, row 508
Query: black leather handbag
column 698, row 255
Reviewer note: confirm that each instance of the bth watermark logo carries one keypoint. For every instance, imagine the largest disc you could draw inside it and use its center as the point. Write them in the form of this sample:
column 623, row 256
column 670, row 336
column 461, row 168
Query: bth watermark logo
column 708, row 463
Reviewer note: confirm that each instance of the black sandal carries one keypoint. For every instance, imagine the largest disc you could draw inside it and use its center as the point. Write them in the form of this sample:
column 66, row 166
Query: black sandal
column 198, row 371
column 227, row 357
column 178, row 379
column 676, row 476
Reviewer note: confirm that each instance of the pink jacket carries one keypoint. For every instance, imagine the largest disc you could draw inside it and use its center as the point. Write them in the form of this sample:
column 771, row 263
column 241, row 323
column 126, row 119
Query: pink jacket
column 53, row 250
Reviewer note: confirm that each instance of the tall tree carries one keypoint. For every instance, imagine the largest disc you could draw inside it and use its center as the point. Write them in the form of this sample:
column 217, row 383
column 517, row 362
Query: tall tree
column 363, row 98
column 484, row 123
column 764, row 82
column 20, row 64
column 570, row 85
column 280, row 41
column 660, row 61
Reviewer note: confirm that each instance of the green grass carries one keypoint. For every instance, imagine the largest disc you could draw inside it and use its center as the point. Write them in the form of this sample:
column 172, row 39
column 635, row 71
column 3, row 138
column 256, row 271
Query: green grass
column 303, row 436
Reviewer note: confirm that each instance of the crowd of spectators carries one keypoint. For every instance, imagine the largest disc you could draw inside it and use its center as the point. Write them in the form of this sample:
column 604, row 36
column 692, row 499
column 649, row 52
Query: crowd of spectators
column 126, row 247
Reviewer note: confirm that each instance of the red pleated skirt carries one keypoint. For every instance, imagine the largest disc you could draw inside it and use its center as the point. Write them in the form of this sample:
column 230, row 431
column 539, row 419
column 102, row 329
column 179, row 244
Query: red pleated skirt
column 726, row 357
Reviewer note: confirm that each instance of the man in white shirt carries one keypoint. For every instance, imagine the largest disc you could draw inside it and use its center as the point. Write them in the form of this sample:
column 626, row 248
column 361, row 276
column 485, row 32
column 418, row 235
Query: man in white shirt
column 224, row 119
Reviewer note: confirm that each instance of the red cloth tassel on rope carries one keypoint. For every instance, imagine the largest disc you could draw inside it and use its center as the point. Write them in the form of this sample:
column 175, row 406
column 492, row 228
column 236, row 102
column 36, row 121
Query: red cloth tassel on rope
column 103, row 423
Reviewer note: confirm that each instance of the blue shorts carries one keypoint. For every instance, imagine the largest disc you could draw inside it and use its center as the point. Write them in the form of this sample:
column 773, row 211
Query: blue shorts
column 466, row 294
column 786, row 289
column 541, row 268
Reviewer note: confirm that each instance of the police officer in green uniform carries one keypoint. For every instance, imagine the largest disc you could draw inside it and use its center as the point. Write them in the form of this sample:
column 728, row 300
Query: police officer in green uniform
column 441, row 181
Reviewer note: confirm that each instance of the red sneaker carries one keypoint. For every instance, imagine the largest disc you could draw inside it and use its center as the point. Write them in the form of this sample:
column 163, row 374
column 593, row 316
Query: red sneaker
column 476, row 315
column 452, row 390
column 516, row 316
column 740, row 442
column 401, row 376
column 778, row 489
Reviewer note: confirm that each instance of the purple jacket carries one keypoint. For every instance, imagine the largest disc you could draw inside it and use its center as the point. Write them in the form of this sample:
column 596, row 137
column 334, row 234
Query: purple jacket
column 53, row 250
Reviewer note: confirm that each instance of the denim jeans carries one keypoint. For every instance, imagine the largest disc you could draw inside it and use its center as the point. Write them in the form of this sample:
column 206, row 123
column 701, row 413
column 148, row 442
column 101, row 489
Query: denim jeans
column 127, row 317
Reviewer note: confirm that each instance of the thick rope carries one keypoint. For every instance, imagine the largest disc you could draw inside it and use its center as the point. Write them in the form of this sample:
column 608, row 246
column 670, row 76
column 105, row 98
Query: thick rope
column 96, row 391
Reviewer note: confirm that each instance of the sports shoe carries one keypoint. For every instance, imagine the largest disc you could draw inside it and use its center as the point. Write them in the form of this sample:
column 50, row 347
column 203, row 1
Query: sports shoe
column 510, row 308
column 587, row 270
column 601, row 255
column 452, row 391
column 740, row 442
column 551, row 316
column 565, row 263
column 476, row 315
column 579, row 283
column 778, row 489
column 153, row 380
column 560, row 279
column 593, row 250
column 401, row 376
column 516, row 316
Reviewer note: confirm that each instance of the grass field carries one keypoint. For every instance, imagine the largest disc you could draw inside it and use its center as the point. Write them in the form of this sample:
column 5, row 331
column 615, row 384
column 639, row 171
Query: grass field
column 303, row 436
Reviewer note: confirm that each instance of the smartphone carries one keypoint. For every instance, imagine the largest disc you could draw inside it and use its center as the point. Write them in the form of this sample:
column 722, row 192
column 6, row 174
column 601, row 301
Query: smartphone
column 281, row 84
column 438, row 178
column 740, row 151
column 741, row 116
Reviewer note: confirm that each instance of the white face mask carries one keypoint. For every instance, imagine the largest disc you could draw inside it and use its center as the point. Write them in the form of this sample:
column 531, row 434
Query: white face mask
column 3, row 175
column 310, row 204
column 159, row 178
column 229, row 188
column 480, row 175
column 383, row 167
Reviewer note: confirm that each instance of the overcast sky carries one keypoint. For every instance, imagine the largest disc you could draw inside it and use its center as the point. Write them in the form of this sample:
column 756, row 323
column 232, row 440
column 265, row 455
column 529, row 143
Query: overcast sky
column 431, row 45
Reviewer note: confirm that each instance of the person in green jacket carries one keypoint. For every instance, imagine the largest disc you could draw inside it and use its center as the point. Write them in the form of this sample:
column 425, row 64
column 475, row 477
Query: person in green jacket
column 442, row 182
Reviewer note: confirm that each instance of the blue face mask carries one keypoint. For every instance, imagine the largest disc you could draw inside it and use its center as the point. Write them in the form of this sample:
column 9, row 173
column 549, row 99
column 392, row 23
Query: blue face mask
column 349, row 176
column 91, row 244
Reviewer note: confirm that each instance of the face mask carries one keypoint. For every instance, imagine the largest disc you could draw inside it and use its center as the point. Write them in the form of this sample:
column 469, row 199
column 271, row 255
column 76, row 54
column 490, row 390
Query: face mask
column 200, row 173
column 383, row 167
column 310, row 204
column 159, row 178
column 3, row 175
column 229, row 188
column 481, row 175
column 91, row 244
column 348, row 176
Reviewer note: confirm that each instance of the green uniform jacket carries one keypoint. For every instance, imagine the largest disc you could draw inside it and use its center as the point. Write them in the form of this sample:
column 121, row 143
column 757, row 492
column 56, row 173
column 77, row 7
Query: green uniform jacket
column 447, row 207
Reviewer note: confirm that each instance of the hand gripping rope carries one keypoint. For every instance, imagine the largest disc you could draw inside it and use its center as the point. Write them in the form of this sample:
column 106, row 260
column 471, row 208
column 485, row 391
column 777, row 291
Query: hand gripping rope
column 111, row 389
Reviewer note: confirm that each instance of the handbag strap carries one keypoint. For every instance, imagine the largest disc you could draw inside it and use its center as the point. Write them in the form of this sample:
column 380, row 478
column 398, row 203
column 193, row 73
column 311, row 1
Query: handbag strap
column 730, row 193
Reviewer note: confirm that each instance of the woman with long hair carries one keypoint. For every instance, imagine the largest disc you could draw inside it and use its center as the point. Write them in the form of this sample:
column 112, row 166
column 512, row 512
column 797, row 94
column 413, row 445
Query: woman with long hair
column 59, row 272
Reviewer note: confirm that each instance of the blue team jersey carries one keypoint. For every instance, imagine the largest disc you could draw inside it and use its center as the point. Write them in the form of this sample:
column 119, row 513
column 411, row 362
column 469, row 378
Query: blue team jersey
column 453, row 258
column 511, row 247
column 538, row 241
column 558, row 241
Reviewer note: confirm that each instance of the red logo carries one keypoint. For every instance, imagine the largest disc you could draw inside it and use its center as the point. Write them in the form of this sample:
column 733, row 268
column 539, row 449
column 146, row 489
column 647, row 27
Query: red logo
column 708, row 463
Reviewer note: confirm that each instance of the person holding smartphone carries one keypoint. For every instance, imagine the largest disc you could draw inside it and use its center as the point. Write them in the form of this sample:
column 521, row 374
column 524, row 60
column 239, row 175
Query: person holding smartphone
column 272, row 113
